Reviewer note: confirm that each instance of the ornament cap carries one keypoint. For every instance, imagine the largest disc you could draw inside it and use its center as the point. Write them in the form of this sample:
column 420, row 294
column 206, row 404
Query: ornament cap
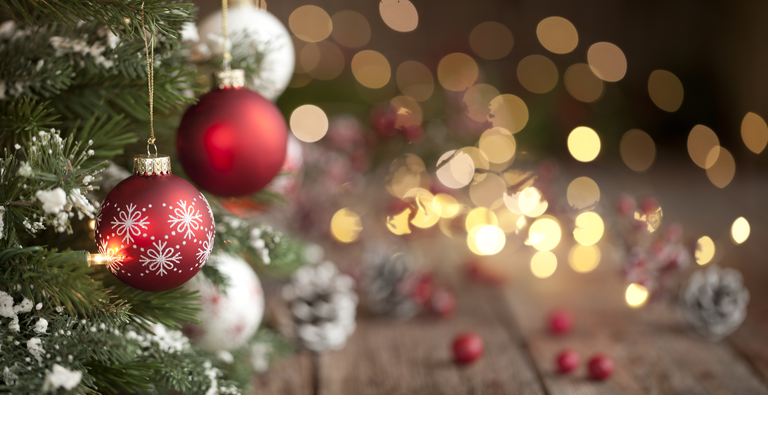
column 229, row 78
column 146, row 165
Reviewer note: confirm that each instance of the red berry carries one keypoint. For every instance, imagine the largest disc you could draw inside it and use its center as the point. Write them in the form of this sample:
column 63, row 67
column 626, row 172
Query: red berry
column 467, row 348
column 560, row 322
column 626, row 204
column 649, row 205
column 600, row 367
column 567, row 361
column 443, row 303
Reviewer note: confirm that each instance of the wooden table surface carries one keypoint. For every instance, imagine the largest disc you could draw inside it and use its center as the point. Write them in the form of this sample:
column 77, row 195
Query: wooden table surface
column 653, row 351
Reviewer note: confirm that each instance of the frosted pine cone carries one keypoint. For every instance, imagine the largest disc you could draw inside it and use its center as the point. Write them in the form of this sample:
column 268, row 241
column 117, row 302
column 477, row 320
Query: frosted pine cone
column 323, row 306
column 393, row 285
column 715, row 301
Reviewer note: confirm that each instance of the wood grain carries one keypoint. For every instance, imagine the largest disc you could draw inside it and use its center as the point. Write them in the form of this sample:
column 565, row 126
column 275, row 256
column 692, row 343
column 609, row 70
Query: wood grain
column 293, row 375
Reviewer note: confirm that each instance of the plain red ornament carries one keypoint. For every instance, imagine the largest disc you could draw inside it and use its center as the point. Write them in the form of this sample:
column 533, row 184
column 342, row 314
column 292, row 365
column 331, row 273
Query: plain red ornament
column 467, row 348
column 560, row 322
column 567, row 361
column 160, row 226
column 600, row 367
column 232, row 142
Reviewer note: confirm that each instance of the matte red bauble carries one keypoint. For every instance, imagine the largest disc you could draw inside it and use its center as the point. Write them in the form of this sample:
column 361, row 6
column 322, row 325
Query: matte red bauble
column 467, row 348
column 232, row 142
column 158, row 225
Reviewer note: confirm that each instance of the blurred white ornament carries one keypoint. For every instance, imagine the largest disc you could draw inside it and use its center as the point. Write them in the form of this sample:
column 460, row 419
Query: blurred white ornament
column 287, row 183
column 267, row 33
column 229, row 318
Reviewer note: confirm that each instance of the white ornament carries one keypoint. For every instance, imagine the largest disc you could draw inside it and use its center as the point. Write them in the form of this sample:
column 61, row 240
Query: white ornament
column 268, row 33
column 231, row 317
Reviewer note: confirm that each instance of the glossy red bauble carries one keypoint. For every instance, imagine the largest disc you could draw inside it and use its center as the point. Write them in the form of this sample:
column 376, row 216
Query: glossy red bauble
column 600, row 367
column 160, row 226
column 467, row 348
column 232, row 142
column 560, row 322
column 567, row 361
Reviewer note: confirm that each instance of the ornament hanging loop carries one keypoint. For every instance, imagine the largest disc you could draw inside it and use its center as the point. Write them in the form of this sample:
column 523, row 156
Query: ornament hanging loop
column 151, row 142
column 150, row 78
column 225, row 36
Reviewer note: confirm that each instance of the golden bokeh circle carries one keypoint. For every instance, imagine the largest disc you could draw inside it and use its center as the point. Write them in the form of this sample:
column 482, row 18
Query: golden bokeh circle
column 498, row 144
column 487, row 191
column 371, row 69
column 582, row 83
column 350, row 29
column 346, row 225
column 544, row 233
column 584, row 144
column 309, row 123
column 455, row 170
column 457, row 72
column 705, row 250
column 543, row 264
column 537, row 74
column 740, row 230
column 754, row 132
column 491, row 40
column 637, row 150
column 722, row 167
column 407, row 112
column 509, row 112
column 666, row 90
column 582, row 193
column 330, row 62
column 589, row 228
column 477, row 100
column 584, row 259
column 399, row 15
column 702, row 141
column 310, row 23
column 607, row 61
column 415, row 80
column 557, row 35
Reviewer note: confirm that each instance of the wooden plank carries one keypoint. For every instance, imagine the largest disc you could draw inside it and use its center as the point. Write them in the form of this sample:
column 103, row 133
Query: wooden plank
column 290, row 376
column 413, row 357
column 653, row 352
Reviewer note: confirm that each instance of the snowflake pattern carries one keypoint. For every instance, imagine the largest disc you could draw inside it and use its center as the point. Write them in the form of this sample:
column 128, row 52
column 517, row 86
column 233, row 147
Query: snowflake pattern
column 210, row 209
column 162, row 259
column 205, row 250
column 113, row 266
column 130, row 223
column 187, row 219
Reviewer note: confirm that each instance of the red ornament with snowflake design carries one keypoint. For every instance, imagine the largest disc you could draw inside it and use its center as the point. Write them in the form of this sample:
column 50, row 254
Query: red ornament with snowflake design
column 158, row 225
column 233, row 142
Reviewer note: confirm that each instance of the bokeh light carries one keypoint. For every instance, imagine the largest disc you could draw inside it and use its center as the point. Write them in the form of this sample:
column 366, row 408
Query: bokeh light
column 457, row 72
column 480, row 216
column 407, row 112
column 584, row 259
column 582, row 193
column 399, row 15
column 544, row 233
column 754, row 132
column 582, row 83
column 666, row 90
column 607, row 61
column 399, row 224
column 722, row 167
column 406, row 172
column 584, row 144
column 701, row 141
column 455, row 169
column 478, row 99
column 636, row 295
column 509, row 112
column 491, row 40
column 487, row 191
column 740, row 230
column 705, row 250
column 589, row 228
column 309, row 123
column 637, row 150
column 543, row 264
column 523, row 202
column 486, row 240
column 415, row 80
column 371, row 69
column 346, row 225
column 310, row 23
column 509, row 221
column 449, row 207
column 498, row 144
column 428, row 208
column 557, row 35
column 350, row 29
column 329, row 61
column 537, row 74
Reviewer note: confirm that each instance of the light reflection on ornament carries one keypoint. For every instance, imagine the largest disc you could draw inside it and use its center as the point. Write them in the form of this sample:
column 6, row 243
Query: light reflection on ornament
column 705, row 250
column 636, row 295
column 346, row 225
column 584, row 259
column 740, row 230
column 543, row 264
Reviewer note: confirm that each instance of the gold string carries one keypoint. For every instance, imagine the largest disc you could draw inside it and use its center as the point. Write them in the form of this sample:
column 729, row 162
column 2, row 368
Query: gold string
column 150, row 80
column 227, row 55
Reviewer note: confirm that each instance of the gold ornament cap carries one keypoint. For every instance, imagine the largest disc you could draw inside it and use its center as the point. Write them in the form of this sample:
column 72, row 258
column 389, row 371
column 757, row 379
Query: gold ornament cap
column 229, row 78
column 146, row 165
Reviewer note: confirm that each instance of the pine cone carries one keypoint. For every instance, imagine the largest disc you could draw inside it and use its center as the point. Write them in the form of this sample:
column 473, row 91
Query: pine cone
column 388, row 285
column 715, row 301
column 323, row 306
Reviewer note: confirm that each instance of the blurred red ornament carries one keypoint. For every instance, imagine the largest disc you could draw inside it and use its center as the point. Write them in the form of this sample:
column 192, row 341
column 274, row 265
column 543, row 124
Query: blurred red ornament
column 649, row 205
column 567, row 361
column 626, row 205
column 232, row 142
column 600, row 367
column 418, row 288
column 443, row 303
column 160, row 226
column 413, row 133
column 467, row 348
column 560, row 322
column 383, row 120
